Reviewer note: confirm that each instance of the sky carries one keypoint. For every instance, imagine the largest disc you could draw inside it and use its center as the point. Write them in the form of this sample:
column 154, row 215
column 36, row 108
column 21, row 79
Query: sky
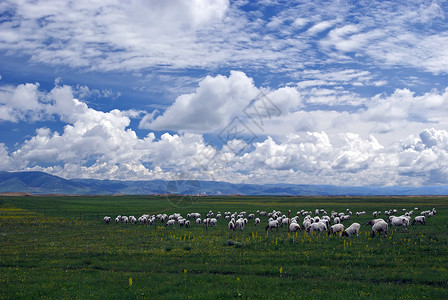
column 302, row 92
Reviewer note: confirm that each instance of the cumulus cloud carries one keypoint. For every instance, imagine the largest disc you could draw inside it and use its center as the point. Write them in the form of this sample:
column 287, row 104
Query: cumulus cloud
column 5, row 159
column 295, row 145
column 216, row 101
column 20, row 102
column 425, row 158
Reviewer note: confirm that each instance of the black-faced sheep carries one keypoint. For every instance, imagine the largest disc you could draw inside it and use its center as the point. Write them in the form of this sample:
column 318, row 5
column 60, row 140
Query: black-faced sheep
column 294, row 227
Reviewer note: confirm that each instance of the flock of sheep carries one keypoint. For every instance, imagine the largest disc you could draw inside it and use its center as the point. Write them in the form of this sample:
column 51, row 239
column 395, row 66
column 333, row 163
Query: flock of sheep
column 317, row 221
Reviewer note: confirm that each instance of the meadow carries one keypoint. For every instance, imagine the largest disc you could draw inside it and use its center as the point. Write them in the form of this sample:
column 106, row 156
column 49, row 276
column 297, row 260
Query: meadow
column 59, row 247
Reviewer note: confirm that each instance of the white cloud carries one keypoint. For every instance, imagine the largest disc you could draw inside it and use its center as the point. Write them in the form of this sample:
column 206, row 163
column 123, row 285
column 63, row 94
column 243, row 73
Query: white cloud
column 297, row 144
column 319, row 27
column 99, row 35
column 5, row 159
column 300, row 22
column 425, row 159
column 335, row 77
column 18, row 103
column 137, row 35
column 216, row 101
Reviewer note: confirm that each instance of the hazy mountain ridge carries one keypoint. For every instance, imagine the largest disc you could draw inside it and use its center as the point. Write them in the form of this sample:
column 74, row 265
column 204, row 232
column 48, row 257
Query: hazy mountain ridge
column 43, row 183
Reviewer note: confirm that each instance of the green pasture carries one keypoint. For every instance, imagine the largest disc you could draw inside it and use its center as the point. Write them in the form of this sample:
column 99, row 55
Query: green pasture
column 58, row 247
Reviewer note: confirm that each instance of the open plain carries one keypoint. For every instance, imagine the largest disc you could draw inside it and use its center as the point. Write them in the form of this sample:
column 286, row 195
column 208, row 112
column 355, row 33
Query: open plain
column 59, row 247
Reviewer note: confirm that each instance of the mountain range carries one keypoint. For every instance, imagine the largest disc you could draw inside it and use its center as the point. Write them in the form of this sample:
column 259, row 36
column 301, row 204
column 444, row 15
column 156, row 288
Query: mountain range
column 40, row 183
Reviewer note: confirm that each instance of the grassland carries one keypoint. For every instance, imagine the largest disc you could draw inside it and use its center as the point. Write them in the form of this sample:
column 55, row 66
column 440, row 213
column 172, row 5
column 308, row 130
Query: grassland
column 58, row 247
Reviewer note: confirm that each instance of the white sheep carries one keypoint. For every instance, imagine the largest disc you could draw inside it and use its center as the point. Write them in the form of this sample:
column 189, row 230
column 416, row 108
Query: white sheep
column 118, row 219
column 345, row 218
column 337, row 228
column 420, row 220
column 239, row 224
column 142, row 220
column 337, row 220
column 272, row 224
column 106, row 219
column 374, row 221
column 378, row 227
column 352, row 229
column 231, row 226
column 198, row 221
column 306, row 224
column 398, row 221
column 170, row 223
column 317, row 227
column 181, row 221
column 257, row 221
column 212, row 222
column 293, row 227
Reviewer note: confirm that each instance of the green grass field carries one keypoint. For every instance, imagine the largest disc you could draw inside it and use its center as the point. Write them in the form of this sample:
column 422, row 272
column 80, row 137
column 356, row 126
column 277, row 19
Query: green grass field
column 58, row 247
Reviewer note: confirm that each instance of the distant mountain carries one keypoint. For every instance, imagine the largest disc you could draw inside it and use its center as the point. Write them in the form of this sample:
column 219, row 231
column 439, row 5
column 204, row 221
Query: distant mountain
column 42, row 183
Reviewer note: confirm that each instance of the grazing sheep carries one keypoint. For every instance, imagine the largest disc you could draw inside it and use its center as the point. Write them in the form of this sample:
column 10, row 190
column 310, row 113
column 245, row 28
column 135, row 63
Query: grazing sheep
column 272, row 224
column 398, row 221
column 318, row 227
column 213, row 222
column 187, row 223
column 163, row 217
column 257, row 221
column 106, row 219
column 336, row 229
column 231, row 226
column 198, row 221
column 125, row 219
column 337, row 220
column 378, row 227
column 420, row 220
column 239, row 224
column 352, row 229
column 326, row 222
column 170, row 223
column 306, row 224
column 345, row 218
column 374, row 221
column 181, row 221
column 293, row 227
column 142, row 220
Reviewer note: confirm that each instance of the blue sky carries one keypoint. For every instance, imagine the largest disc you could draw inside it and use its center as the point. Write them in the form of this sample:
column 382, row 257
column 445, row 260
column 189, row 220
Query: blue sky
column 321, row 92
